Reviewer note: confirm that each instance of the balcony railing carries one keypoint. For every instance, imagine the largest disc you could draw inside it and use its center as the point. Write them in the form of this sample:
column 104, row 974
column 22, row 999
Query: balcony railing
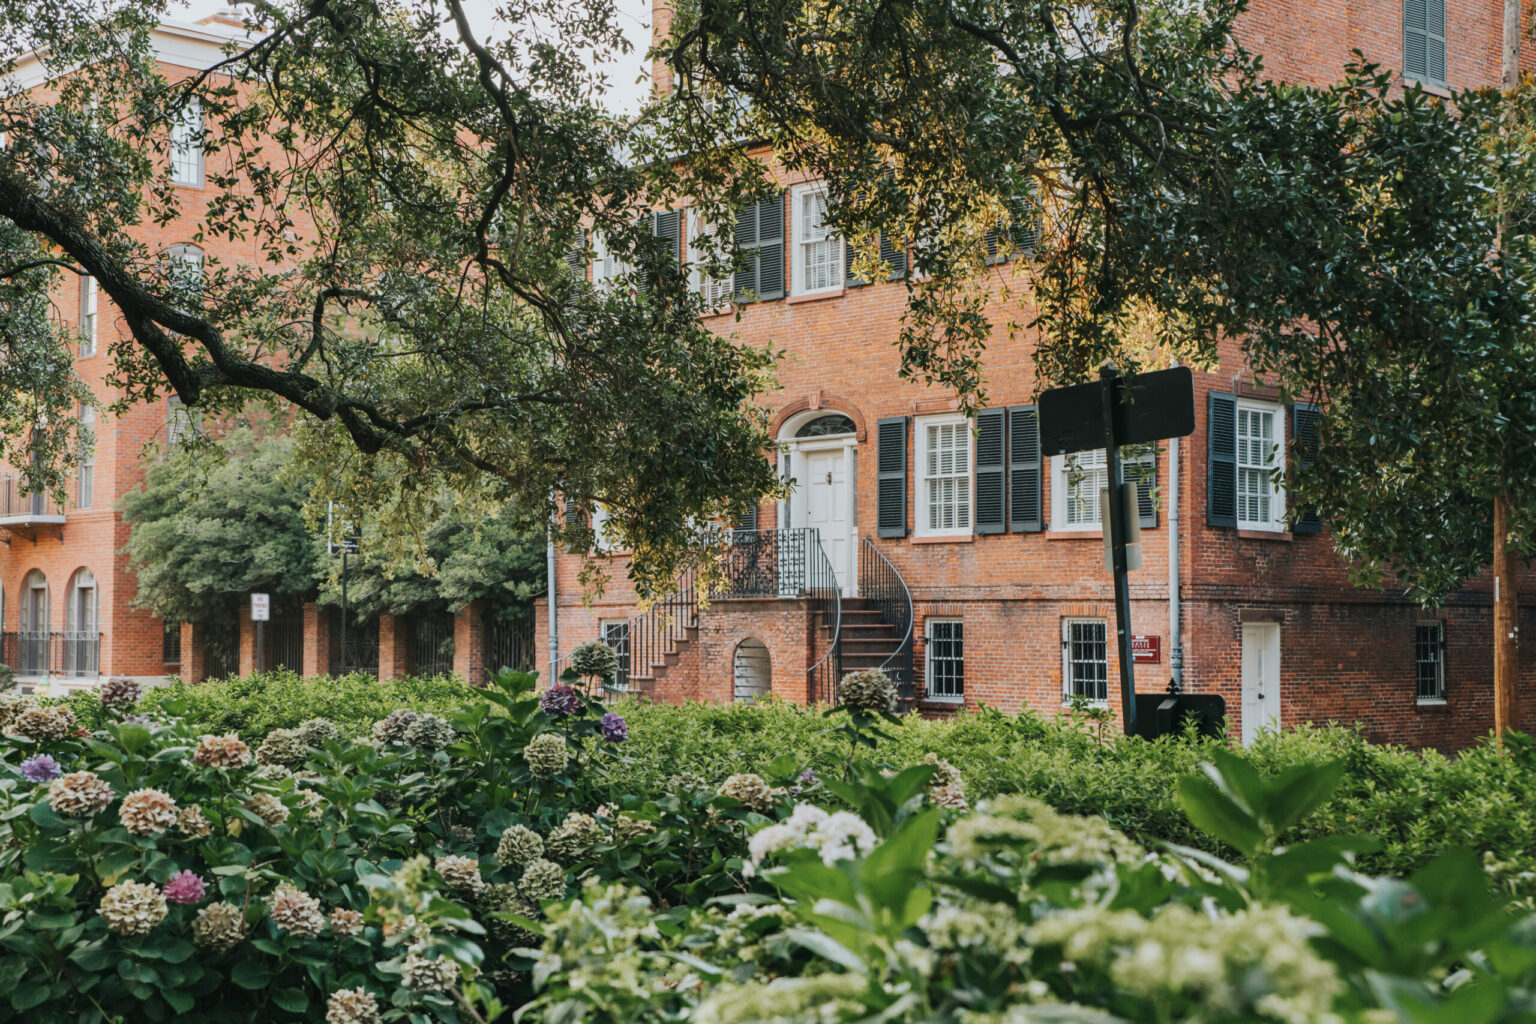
column 17, row 505
column 884, row 588
column 35, row 654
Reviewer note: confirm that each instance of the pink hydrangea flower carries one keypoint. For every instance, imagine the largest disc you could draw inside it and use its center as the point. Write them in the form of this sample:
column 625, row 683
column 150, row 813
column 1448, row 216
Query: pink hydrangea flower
column 185, row 887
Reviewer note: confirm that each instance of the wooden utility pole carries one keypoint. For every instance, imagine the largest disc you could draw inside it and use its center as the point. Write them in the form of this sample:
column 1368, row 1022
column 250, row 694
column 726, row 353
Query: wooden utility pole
column 1506, row 596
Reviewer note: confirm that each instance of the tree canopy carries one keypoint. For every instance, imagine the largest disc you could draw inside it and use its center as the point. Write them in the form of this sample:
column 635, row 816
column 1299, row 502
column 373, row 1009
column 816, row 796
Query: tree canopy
column 214, row 522
column 1348, row 236
column 391, row 210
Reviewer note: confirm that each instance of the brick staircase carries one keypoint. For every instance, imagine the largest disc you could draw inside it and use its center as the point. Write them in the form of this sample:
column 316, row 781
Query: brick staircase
column 868, row 641
column 644, row 679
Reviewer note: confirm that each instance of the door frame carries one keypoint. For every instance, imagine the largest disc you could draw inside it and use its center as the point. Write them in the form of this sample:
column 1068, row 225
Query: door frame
column 791, row 514
column 1250, row 729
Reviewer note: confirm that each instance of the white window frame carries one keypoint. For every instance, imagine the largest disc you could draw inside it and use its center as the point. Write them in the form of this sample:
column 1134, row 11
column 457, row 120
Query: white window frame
column 928, row 653
column 1094, row 477
column 88, row 316
column 922, row 477
column 716, row 293
column 800, row 242
column 1439, row 661
column 1068, row 690
column 602, row 540
column 180, row 422
column 186, row 149
column 1276, row 522
column 85, row 492
column 608, row 271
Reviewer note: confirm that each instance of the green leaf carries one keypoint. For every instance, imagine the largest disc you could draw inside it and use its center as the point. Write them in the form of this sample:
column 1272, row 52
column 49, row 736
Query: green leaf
column 29, row 994
column 1215, row 813
column 1299, row 791
column 134, row 737
column 294, row 1000
column 828, row 948
column 250, row 974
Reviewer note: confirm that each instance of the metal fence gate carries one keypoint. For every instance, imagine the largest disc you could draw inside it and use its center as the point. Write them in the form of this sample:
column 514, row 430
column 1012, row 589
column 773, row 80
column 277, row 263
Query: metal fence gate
column 431, row 644
column 362, row 646
column 284, row 640
column 509, row 643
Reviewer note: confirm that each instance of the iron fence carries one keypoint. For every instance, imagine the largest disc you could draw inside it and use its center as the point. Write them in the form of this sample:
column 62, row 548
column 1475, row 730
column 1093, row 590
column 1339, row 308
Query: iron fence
column 431, row 644
column 33, row 653
column 884, row 588
column 221, row 649
column 509, row 643
column 360, row 652
column 767, row 563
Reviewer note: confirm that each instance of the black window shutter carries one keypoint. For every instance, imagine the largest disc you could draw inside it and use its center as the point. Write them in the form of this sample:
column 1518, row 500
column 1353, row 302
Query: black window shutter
column 1221, row 461
column 891, row 477
column 760, row 231
column 746, row 240
column 573, row 519
column 1025, row 507
column 668, row 226
column 849, row 280
column 1305, row 438
column 747, row 520
column 991, row 467
column 1145, row 477
column 895, row 257
column 1424, row 40
column 1023, row 233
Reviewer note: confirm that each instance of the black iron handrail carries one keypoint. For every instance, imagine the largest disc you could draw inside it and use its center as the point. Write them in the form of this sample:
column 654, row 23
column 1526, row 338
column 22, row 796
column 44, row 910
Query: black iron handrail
column 884, row 588
column 826, row 599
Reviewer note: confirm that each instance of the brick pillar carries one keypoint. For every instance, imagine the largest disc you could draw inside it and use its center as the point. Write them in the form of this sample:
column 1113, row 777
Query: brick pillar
column 247, row 644
column 317, row 639
column 540, row 639
column 394, row 653
column 191, row 669
column 469, row 643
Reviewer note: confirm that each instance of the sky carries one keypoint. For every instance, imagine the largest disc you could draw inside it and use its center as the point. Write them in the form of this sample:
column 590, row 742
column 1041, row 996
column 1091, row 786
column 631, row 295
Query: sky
column 626, row 93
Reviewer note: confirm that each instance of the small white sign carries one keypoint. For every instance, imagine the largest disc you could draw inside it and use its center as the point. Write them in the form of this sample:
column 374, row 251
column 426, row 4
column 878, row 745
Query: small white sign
column 261, row 607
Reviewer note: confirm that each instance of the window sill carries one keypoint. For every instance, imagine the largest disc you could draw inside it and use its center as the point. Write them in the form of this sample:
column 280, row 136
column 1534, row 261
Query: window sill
column 948, row 702
column 956, row 538
column 1093, row 705
column 1426, row 702
column 1068, row 533
column 1432, row 88
column 1284, row 536
column 828, row 293
column 711, row 314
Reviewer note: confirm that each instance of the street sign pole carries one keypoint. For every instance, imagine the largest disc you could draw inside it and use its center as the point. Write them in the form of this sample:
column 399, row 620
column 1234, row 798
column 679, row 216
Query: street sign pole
column 1117, row 533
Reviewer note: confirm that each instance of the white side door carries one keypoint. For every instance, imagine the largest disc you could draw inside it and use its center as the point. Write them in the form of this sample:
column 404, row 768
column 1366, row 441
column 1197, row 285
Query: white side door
column 1261, row 678
column 825, row 487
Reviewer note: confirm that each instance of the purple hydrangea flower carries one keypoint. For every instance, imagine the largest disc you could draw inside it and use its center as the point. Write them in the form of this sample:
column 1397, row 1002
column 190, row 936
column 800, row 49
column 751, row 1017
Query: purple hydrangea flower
column 141, row 719
column 613, row 727
column 40, row 768
column 559, row 700
column 184, row 887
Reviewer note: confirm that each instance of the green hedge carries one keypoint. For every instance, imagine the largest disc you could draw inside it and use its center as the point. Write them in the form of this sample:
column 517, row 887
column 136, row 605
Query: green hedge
column 1414, row 804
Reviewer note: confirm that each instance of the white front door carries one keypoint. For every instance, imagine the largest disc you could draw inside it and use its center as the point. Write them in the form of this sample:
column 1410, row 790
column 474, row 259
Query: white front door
column 825, row 504
column 1261, row 678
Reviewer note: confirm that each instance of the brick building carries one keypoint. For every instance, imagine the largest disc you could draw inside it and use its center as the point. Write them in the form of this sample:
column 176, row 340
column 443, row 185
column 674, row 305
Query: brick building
column 972, row 567
column 66, row 596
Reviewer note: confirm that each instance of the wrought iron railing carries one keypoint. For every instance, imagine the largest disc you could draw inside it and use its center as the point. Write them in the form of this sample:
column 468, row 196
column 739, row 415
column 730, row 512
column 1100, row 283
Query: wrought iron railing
column 655, row 633
column 35, row 653
column 825, row 595
column 509, row 643
column 431, row 644
column 16, row 502
column 883, row 587
column 360, row 652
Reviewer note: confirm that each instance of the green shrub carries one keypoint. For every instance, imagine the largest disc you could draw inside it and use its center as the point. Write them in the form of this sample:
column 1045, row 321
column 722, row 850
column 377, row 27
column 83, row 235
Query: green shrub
column 255, row 705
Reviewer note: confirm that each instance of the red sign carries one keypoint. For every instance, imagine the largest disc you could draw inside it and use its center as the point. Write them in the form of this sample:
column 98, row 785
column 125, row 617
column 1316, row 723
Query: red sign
column 1146, row 648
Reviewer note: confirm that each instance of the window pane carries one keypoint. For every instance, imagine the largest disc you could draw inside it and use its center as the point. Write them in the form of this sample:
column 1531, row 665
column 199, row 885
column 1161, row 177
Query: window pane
column 947, row 475
column 187, row 146
column 1088, row 660
column 1429, row 660
column 946, row 659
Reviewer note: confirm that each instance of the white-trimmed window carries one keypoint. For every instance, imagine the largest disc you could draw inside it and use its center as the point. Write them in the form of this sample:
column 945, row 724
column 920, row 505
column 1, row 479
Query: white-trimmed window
column 944, row 659
column 1429, row 662
column 607, row 267
column 1076, row 481
column 187, row 146
column 705, row 247
column 1260, row 461
column 85, row 492
column 616, row 635
column 602, row 530
column 1085, row 659
column 184, row 266
column 818, row 252
column 88, row 316
column 180, row 423
column 943, row 476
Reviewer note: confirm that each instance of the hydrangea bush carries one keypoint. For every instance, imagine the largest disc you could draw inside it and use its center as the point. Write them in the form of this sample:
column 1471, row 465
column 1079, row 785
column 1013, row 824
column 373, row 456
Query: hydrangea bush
column 470, row 865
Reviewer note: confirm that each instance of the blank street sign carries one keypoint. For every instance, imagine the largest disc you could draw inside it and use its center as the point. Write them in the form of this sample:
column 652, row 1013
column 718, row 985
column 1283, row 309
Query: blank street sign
column 1153, row 406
